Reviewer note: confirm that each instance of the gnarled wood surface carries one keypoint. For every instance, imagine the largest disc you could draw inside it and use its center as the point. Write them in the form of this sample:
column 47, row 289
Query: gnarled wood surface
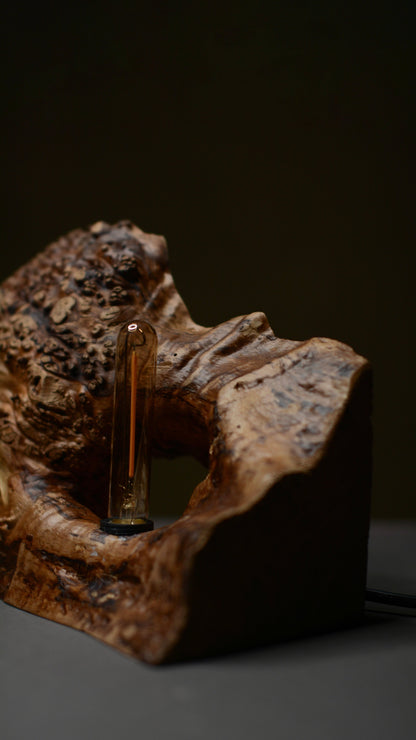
column 273, row 542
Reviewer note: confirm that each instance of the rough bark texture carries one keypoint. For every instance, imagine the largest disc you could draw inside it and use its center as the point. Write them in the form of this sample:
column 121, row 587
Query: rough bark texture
column 273, row 542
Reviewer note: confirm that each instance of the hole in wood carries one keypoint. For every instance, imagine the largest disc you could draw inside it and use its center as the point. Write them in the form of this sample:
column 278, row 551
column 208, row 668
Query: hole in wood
column 172, row 484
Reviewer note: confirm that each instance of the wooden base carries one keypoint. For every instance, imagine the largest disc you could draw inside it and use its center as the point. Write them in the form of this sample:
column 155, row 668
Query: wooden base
column 273, row 543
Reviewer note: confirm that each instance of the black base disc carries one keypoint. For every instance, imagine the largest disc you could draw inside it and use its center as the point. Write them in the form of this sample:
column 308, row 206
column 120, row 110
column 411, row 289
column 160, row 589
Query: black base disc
column 124, row 529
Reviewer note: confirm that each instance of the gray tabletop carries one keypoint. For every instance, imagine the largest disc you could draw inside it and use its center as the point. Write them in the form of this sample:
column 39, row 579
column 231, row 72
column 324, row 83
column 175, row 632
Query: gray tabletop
column 58, row 683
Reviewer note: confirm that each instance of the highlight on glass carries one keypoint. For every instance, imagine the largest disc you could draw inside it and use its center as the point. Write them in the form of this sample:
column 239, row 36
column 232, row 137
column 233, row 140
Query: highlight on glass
column 135, row 372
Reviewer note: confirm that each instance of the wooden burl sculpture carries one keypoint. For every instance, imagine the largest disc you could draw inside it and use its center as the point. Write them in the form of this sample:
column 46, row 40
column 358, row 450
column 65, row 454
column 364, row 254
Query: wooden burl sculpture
column 273, row 542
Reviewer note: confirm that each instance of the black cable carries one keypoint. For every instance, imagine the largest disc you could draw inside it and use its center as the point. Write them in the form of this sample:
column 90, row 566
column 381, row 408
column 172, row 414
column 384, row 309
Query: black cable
column 391, row 598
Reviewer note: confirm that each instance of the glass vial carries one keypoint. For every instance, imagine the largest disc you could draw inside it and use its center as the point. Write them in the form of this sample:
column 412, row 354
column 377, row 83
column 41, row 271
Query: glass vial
column 128, row 508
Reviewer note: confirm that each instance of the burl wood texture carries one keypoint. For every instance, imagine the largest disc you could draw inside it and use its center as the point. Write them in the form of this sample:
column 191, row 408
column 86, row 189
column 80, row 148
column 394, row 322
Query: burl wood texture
column 273, row 542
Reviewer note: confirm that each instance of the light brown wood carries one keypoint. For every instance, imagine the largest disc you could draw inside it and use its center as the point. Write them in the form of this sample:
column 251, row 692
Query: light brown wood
column 274, row 540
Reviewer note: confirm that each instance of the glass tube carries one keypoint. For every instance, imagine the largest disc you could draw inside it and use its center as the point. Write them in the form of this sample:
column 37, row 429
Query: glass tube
column 128, row 507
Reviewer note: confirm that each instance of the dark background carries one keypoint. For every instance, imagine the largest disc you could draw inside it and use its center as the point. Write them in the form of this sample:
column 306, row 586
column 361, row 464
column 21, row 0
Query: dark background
column 269, row 142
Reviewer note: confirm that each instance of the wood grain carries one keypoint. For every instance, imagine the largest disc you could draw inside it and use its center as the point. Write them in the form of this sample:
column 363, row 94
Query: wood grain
column 273, row 542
